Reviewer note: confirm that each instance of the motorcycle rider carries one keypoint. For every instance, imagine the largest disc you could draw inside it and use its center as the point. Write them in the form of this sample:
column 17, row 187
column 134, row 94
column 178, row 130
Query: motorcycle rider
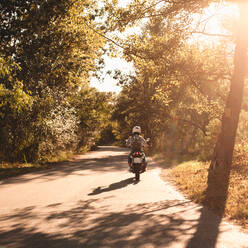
column 131, row 142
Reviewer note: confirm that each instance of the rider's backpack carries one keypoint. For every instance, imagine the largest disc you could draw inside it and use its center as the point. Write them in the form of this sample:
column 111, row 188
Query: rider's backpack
column 136, row 143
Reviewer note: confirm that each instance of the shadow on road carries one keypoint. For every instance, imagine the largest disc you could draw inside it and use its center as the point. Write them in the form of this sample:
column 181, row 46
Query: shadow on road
column 111, row 159
column 207, row 230
column 113, row 186
column 208, row 227
column 138, row 226
column 90, row 224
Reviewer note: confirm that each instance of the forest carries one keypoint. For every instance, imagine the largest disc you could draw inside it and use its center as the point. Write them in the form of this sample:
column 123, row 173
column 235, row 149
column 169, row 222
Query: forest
column 188, row 94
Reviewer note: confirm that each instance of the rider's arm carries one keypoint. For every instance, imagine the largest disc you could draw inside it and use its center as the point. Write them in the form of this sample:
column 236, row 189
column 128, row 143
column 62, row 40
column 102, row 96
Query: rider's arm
column 129, row 141
column 144, row 143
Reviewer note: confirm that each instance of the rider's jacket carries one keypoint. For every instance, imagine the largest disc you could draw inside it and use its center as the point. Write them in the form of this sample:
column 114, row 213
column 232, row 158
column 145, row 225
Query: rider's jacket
column 132, row 140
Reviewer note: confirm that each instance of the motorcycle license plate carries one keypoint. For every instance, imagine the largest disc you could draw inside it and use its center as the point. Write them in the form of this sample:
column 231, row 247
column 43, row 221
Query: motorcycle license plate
column 137, row 160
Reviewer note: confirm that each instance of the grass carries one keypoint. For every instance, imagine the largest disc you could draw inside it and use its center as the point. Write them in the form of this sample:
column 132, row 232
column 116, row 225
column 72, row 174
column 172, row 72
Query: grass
column 63, row 156
column 191, row 178
column 15, row 169
column 237, row 202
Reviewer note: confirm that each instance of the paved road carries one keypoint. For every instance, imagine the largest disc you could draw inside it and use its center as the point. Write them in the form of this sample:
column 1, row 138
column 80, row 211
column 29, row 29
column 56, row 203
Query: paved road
column 94, row 202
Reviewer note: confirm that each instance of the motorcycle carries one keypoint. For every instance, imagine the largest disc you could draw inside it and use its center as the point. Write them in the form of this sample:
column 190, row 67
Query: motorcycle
column 138, row 164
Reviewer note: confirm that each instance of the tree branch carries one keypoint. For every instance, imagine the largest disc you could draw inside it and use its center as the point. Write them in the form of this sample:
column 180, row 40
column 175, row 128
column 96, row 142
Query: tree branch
column 213, row 35
column 112, row 41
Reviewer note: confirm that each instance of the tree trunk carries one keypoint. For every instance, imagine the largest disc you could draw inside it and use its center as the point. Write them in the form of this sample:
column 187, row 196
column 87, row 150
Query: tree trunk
column 219, row 171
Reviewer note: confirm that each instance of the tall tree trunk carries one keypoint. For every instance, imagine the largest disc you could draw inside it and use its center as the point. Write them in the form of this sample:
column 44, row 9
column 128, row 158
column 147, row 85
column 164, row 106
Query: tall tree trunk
column 222, row 158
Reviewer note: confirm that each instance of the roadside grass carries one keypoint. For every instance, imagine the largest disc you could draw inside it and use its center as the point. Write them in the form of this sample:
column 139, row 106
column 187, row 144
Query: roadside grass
column 15, row 169
column 63, row 156
column 191, row 178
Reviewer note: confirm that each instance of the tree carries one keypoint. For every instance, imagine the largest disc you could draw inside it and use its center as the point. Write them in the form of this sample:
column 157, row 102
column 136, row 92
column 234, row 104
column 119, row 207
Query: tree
column 223, row 153
column 180, row 10
column 50, row 41
column 50, row 50
column 94, row 110
column 179, row 89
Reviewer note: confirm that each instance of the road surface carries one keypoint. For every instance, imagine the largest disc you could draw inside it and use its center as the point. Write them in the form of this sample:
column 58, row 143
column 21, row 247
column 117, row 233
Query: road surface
column 94, row 202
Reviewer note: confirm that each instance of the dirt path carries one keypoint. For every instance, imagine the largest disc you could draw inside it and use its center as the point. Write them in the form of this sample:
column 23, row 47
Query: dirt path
column 94, row 202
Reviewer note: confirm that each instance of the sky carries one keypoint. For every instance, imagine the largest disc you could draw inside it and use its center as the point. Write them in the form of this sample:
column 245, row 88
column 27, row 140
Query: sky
column 110, row 84
column 212, row 15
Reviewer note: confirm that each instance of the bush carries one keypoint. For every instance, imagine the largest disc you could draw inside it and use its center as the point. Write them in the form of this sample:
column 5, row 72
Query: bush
column 15, row 114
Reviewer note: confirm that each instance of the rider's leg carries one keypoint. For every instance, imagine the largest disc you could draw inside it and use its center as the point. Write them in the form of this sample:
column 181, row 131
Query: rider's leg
column 145, row 163
column 129, row 160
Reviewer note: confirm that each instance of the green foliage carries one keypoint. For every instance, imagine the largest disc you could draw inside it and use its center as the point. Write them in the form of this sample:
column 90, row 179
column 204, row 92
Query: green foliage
column 179, row 90
column 93, row 110
column 48, row 51
column 241, row 146
column 15, row 107
column 107, row 136
column 50, row 41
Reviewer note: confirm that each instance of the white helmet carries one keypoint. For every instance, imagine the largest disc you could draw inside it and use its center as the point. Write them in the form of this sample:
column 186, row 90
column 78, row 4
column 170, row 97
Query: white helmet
column 136, row 129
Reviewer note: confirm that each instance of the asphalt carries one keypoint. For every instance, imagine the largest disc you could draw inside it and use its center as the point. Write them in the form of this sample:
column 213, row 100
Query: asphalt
column 95, row 202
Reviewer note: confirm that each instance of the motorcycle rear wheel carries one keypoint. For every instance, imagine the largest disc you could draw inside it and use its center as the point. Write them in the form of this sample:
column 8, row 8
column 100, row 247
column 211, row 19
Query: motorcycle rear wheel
column 137, row 176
